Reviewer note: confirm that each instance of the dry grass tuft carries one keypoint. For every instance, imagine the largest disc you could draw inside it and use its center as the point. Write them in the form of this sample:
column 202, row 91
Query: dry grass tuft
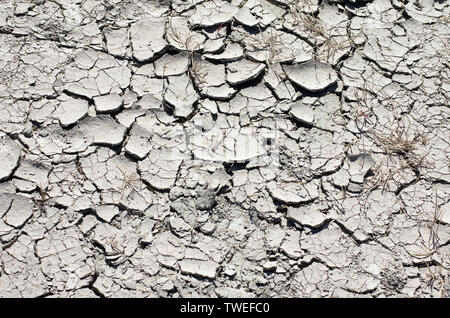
column 198, row 74
column 129, row 182
column 435, row 273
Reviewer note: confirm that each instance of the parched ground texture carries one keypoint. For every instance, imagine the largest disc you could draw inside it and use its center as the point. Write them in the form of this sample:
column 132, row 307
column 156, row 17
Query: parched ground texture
column 196, row 148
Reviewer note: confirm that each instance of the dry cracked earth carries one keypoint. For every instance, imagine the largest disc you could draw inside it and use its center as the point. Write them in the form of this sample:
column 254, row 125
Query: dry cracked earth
column 196, row 148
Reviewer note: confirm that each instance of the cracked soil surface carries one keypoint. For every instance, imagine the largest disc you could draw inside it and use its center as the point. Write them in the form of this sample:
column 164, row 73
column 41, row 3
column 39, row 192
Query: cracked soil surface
column 210, row 148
